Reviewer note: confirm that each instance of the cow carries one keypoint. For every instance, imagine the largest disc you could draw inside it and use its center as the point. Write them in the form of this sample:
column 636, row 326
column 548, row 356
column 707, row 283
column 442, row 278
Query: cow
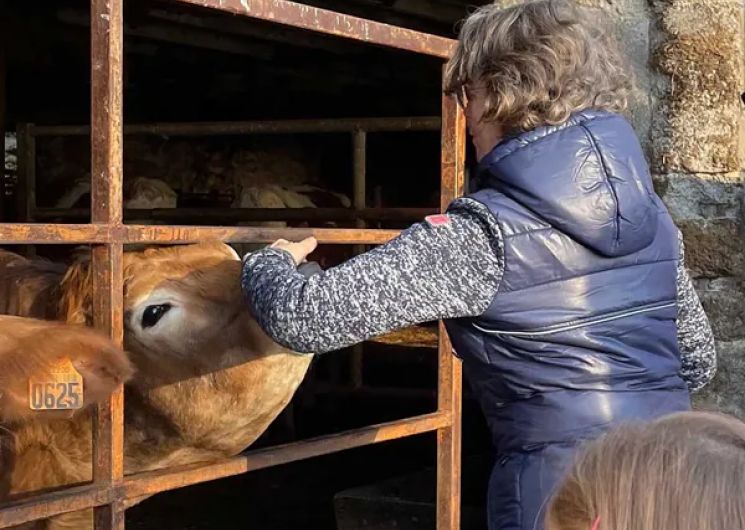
column 31, row 349
column 208, row 381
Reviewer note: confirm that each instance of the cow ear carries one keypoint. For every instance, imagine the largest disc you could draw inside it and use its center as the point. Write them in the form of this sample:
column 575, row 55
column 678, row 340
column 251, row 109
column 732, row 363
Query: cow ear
column 29, row 348
column 76, row 300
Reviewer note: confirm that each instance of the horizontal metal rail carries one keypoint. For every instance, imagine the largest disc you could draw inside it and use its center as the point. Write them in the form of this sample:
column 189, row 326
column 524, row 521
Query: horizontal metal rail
column 90, row 495
column 249, row 214
column 332, row 23
column 50, row 234
column 342, row 125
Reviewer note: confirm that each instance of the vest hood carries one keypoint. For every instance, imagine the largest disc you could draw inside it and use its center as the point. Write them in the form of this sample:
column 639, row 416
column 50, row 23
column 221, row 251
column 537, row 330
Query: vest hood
column 587, row 177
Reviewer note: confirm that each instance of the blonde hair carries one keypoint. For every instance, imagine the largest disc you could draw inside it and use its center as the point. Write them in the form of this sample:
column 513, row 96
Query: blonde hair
column 540, row 61
column 683, row 472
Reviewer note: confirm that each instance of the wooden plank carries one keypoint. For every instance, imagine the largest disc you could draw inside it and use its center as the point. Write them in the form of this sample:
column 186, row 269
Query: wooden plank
column 90, row 495
column 106, row 208
column 332, row 23
column 389, row 124
column 449, row 374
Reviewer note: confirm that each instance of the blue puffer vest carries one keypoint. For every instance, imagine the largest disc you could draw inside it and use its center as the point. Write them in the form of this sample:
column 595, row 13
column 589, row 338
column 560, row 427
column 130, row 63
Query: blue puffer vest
column 582, row 331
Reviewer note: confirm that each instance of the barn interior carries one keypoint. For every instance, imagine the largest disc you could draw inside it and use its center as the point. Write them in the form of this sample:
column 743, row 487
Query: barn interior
column 185, row 67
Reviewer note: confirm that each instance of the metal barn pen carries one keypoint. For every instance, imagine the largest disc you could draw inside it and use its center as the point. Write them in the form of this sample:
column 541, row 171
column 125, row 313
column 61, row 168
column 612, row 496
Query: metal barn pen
column 106, row 232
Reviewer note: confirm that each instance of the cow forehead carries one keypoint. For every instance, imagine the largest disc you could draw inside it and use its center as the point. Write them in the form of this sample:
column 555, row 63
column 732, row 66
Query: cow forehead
column 145, row 271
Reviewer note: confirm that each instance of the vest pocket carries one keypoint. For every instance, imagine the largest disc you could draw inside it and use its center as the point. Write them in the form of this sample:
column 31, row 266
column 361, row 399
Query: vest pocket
column 575, row 324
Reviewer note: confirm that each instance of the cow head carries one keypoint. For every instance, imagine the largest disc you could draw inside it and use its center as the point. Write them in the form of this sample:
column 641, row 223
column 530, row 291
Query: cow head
column 184, row 314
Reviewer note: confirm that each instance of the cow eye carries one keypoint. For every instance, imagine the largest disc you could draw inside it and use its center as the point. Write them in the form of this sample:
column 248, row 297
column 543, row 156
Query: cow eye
column 153, row 313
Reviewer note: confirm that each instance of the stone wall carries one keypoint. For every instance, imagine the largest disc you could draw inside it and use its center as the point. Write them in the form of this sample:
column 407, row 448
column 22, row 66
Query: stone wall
column 695, row 140
column 696, row 145
column 689, row 61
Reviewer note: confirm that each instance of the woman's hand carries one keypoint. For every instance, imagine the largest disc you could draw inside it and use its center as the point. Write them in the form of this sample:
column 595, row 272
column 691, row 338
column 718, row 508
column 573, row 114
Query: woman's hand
column 300, row 250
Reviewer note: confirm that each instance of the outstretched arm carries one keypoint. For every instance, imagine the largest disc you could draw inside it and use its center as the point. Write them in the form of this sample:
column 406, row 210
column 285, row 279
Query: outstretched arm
column 431, row 271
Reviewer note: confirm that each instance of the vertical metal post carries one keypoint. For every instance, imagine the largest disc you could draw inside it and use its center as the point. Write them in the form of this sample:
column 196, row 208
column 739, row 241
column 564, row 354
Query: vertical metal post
column 106, row 208
column 359, row 157
column 26, row 178
column 3, row 93
column 449, row 374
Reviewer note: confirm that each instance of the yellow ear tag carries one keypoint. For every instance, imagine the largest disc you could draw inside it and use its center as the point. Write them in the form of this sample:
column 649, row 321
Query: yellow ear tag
column 61, row 389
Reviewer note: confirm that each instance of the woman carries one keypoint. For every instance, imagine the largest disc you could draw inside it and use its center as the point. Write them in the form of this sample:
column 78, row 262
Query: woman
column 561, row 280
column 683, row 472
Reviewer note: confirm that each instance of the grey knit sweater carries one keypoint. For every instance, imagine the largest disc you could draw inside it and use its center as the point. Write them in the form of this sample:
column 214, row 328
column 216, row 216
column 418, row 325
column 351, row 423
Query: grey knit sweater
column 428, row 272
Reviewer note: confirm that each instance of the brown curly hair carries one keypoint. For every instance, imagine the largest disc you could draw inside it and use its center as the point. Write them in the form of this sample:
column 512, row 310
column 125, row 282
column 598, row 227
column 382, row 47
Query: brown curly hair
column 539, row 62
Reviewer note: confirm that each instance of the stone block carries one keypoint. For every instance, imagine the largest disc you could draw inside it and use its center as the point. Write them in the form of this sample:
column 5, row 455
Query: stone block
column 699, row 49
column 724, row 303
column 714, row 248
column 726, row 392
column 700, row 196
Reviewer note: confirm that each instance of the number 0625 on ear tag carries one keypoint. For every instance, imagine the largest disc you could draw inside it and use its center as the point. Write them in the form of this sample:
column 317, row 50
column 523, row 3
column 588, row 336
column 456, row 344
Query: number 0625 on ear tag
column 60, row 389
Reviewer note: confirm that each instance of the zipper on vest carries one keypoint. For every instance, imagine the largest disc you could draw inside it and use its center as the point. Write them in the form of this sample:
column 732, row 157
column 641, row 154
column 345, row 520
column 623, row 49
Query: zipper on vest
column 608, row 317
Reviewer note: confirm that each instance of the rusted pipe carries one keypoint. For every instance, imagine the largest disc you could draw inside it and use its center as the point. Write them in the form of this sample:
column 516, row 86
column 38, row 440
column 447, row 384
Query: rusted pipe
column 225, row 215
column 392, row 124
column 333, row 23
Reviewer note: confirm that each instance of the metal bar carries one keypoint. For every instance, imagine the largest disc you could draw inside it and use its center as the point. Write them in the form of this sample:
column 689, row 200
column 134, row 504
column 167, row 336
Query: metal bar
column 359, row 160
column 189, row 234
column 449, row 373
column 42, row 506
column 108, row 303
column 22, row 234
column 3, row 100
column 25, row 233
column 106, row 111
column 21, row 192
column 109, row 516
column 332, row 23
column 148, row 483
column 26, row 171
column 91, row 495
column 249, row 214
column 359, row 171
column 107, row 38
column 393, row 124
column 26, row 183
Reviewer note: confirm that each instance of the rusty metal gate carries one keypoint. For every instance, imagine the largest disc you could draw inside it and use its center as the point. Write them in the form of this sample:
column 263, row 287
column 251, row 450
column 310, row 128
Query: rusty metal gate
column 110, row 489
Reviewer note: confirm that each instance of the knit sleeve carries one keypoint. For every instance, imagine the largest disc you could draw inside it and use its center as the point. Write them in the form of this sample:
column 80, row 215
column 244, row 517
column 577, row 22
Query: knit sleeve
column 695, row 338
column 433, row 270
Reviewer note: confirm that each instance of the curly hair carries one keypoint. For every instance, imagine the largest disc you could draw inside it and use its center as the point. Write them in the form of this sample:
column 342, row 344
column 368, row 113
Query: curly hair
column 539, row 62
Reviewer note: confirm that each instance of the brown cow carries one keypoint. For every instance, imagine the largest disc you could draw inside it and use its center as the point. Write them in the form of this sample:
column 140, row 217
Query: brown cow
column 208, row 381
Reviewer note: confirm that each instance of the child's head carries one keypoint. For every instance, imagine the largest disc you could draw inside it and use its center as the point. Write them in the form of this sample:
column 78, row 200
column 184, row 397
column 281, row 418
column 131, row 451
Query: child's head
column 534, row 64
column 683, row 472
